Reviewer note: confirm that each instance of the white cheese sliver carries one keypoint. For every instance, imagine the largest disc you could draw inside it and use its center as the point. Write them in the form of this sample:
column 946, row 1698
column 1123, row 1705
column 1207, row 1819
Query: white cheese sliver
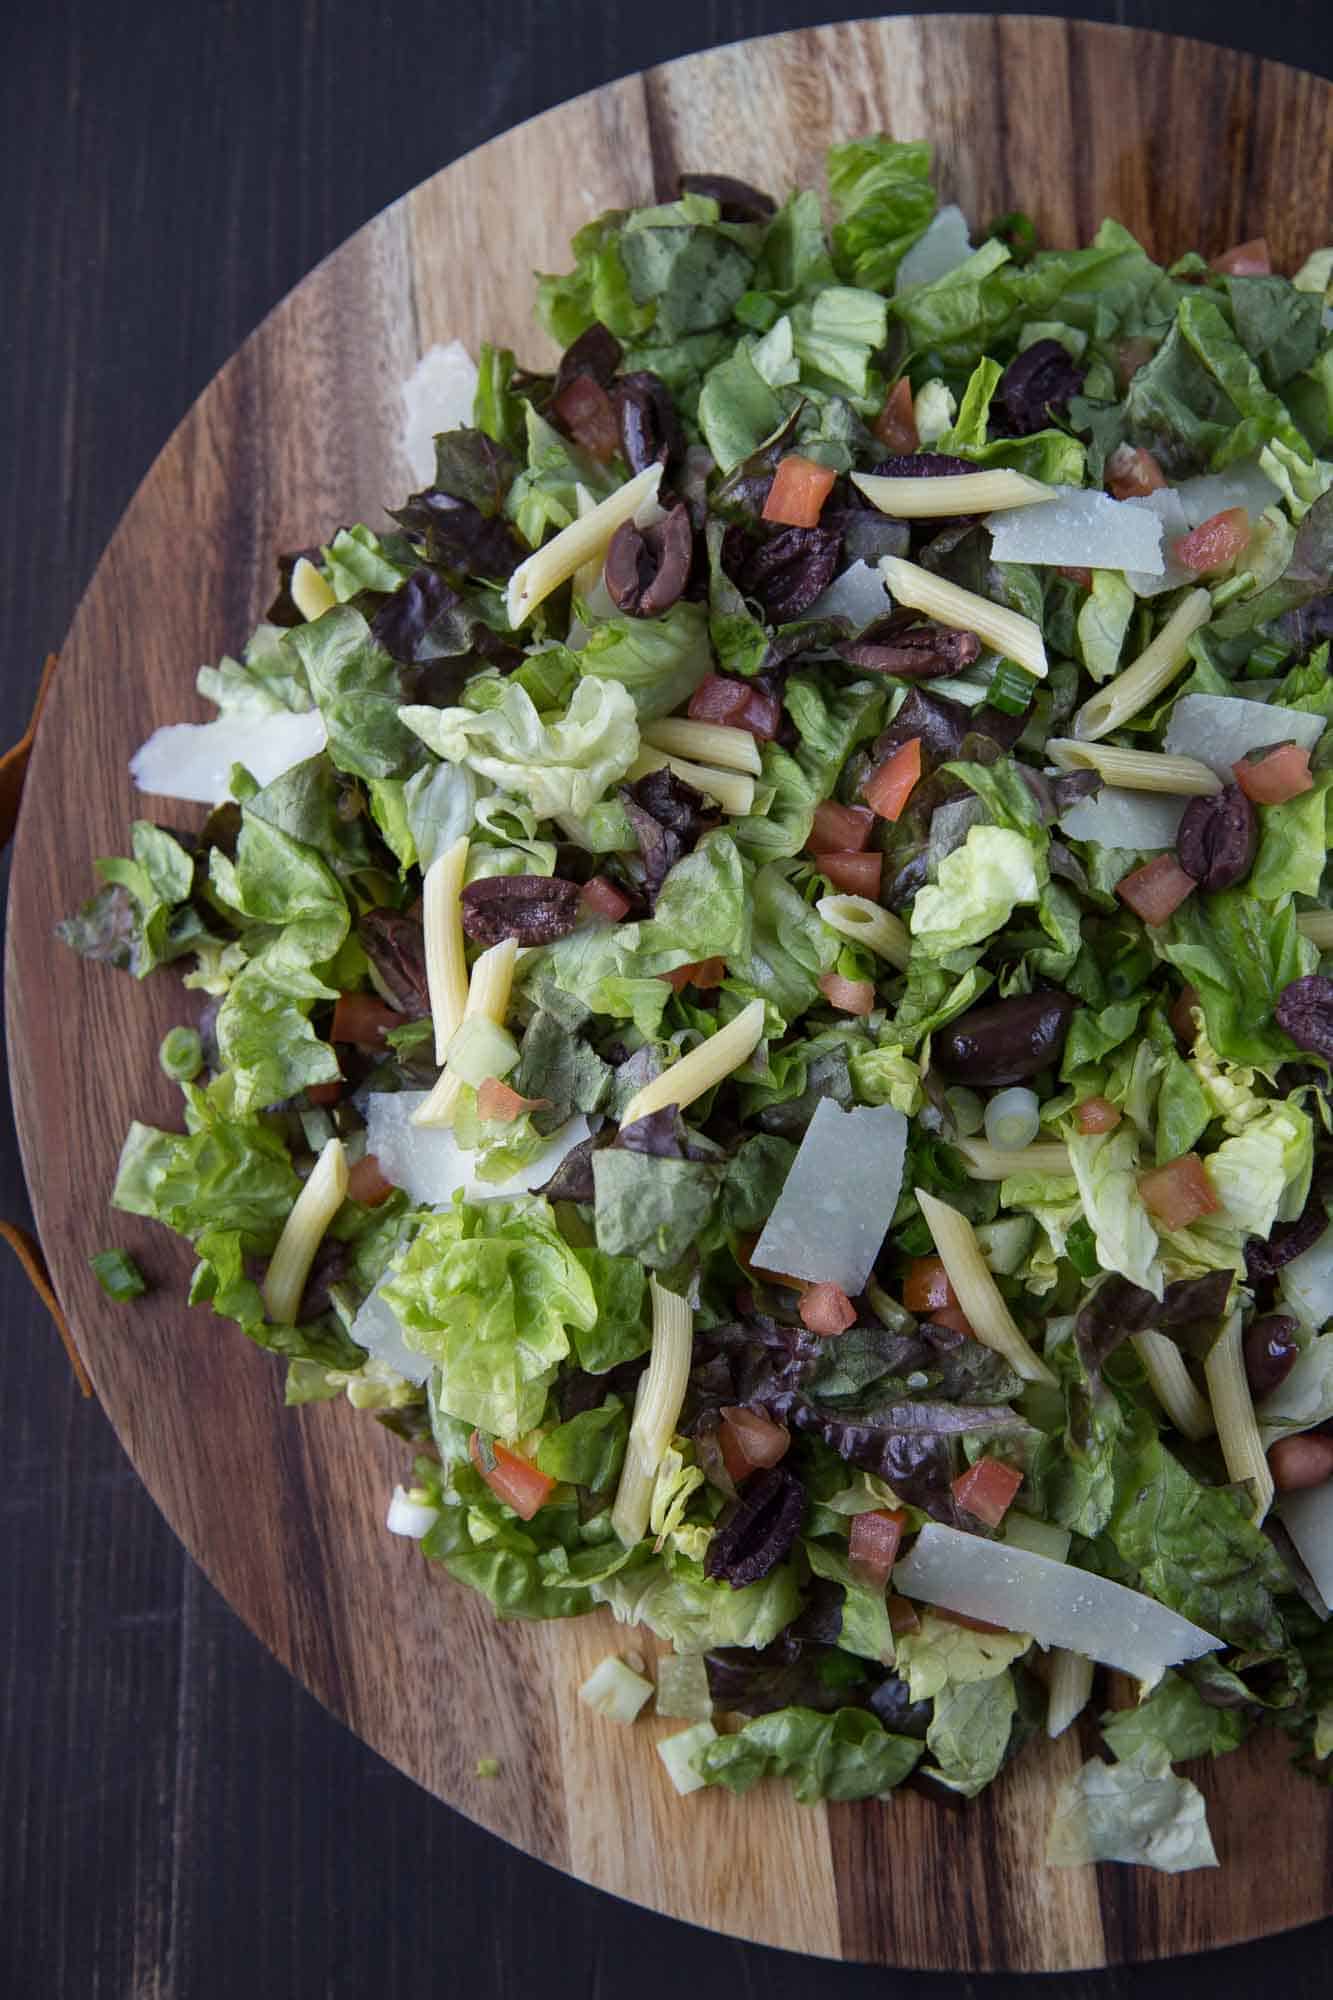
column 1078, row 527
column 1306, row 1283
column 437, row 396
column 858, row 594
column 429, row 1162
column 377, row 1329
column 1308, row 1519
column 1166, row 506
column 193, row 760
column 1120, row 818
column 1058, row 1605
column 1239, row 486
column 1218, row 729
column 838, row 1200
column 945, row 245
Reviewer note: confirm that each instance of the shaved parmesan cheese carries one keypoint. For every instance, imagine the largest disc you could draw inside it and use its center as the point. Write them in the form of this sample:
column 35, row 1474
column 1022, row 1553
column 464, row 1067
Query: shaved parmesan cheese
column 437, row 396
column 838, row 1199
column 1308, row 1519
column 429, row 1162
column 1219, row 729
column 945, row 245
column 193, row 760
column 1117, row 818
column 1165, row 506
column 377, row 1329
column 1058, row 1605
column 1239, row 486
column 1306, row 1283
column 1078, row 527
column 858, row 594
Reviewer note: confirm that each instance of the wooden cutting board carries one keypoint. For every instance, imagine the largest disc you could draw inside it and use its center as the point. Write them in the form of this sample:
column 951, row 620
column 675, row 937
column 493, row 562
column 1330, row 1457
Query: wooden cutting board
column 1188, row 145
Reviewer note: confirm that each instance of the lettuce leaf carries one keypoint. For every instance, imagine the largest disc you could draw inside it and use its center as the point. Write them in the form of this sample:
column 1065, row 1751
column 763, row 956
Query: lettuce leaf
column 490, row 1292
column 589, row 1449
column 1293, row 845
column 975, row 892
column 846, row 1755
column 969, row 1732
column 560, row 766
column 944, row 1655
column 865, row 1628
column 660, row 660
column 1137, row 1812
column 358, row 691
column 1262, row 1174
column 1106, row 1170
column 1177, row 1720
column 231, row 1174
column 672, row 1596
column 1239, row 954
column 883, row 199
column 140, row 919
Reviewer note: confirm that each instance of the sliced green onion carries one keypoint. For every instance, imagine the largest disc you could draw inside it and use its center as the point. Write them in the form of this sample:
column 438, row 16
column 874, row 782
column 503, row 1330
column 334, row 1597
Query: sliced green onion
column 1234, row 587
column 1266, row 659
column 1081, row 1249
column 181, row 1055
column 488, row 1767
column 118, row 1275
column 1011, row 688
column 1127, row 974
column 1013, row 1119
column 966, row 1109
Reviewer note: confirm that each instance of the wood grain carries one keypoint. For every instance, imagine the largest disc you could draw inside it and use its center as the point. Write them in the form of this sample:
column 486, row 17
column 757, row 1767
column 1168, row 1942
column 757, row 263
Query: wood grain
column 1187, row 145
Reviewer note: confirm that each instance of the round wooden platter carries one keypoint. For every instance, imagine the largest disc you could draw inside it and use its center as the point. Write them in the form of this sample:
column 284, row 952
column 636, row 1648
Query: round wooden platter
column 1187, row 145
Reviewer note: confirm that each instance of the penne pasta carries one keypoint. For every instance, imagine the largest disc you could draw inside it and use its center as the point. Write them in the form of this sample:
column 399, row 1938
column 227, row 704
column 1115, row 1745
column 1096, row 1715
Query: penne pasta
column 1153, row 671
column 302, row 1233
column 863, row 922
column 1233, row 1412
column 733, row 790
column 993, row 1163
column 657, row 1408
column 1317, row 925
column 1007, row 631
column 1135, row 770
column 583, row 541
column 1171, row 1383
column 487, row 995
column 978, row 1294
column 951, row 495
column 442, row 920
column 311, row 595
column 713, row 743
column 702, row 1067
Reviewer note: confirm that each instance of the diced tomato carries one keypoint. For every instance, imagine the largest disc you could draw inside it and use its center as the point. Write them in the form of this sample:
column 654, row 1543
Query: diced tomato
column 1156, row 889
column 890, row 785
column 704, row 973
column 849, row 996
column 1181, row 1015
column 602, row 899
column 953, row 1316
column 1180, row 1192
column 1097, row 1114
column 872, row 1545
column 1215, row 543
column 840, row 829
column 753, row 1438
column 1283, row 773
column 583, row 411
column 1246, row 260
column 363, row 1018
column 738, row 704
column 498, row 1103
column 1082, row 577
column 366, row 1184
column 927, row 1286
column 1132, row 472
column 902, row 1615
column 987, row 1488
column 325, row 1093
column 855, row 874
column 895, row 426
column 799, row 490
column 512, row 1478
column 1131, row 355
column 826, row 1309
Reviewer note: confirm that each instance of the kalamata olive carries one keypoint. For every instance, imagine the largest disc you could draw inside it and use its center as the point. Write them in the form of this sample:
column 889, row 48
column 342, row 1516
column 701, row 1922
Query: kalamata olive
column 1034, row 388
column 921, row 651
column 737, row 201
column 757, row 1532
column 1217, row 838
column 1305, row 1010
column 650, row 432
column 1271, row 1348
column 1008, row 1041
column 648, row 568
column 596, row 353
column 1299, row 1462
column 787, row 572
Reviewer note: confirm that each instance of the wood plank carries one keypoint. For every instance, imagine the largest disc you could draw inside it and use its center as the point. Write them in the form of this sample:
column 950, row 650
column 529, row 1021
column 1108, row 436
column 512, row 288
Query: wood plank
column 299, row 432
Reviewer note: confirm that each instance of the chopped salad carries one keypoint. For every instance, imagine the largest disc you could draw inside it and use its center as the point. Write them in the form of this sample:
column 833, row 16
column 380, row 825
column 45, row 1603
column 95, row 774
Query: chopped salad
column 752, row 989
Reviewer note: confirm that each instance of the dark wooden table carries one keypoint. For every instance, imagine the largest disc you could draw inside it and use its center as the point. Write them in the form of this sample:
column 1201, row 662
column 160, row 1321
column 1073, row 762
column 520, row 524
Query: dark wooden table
column 180, row 1820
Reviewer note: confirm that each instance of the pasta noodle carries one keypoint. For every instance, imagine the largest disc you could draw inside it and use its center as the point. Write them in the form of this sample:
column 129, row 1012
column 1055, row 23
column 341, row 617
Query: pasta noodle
column 1170, row 1381
column 951, row 495
column 1233, row 1410
column 706, row 743
column 487, row 995
column 733, row 790
column 1069, row 1689
column 978, row 1294
column 863, row 922
column 993, row 1163
column 702, row 1067
column 302, row 1233
column 442, row 919
column 657, row 1409
column 1008, row 631
column 1154, row 670
column 1135, row 770
column 581, row 542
